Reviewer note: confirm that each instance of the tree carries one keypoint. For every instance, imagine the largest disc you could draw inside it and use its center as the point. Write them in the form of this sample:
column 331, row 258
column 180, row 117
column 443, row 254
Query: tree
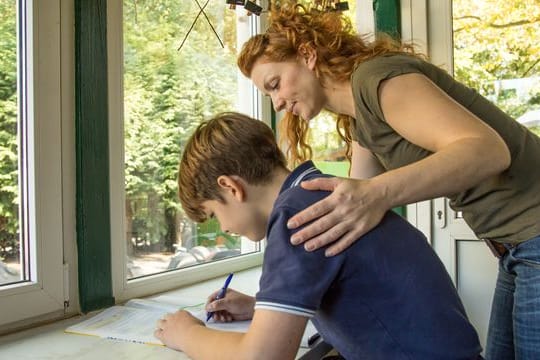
column 168, row 92
column 9, row 224
column 497, row 40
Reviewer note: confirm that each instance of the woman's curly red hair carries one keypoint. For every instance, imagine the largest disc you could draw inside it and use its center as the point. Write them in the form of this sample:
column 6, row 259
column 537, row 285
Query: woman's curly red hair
column 292, row 29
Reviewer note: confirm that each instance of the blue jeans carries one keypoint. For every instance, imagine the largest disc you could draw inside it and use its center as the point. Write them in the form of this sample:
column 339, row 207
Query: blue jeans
column 514, row 326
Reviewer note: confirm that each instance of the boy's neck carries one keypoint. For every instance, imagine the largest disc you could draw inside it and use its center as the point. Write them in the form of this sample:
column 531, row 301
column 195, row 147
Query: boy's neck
column 265, row 195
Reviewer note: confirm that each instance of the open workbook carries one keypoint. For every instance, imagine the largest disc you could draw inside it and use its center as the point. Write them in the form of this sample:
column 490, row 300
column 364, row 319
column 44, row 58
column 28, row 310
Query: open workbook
column 136, row 321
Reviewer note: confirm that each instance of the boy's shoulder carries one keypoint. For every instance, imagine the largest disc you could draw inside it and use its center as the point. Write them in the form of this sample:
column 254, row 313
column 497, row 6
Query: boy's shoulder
column 295, row 199
column 298, row 198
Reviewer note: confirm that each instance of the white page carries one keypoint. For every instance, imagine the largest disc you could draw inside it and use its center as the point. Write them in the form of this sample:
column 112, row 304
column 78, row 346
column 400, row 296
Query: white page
column 196, row 310
column 122, row 323
column 137, row 319
column 241, row 326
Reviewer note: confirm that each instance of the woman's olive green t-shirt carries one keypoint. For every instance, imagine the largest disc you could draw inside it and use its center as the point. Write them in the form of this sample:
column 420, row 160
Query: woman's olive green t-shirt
column 504, row 207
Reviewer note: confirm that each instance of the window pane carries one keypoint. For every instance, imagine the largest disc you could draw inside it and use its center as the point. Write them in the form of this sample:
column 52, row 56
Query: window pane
column 179, row 69
column 328, row 148
column 10, row 244
column 496, row 51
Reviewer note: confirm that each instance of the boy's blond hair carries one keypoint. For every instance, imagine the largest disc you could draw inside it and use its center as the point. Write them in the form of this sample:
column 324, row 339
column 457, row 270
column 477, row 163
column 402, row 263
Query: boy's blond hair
column 228, row 144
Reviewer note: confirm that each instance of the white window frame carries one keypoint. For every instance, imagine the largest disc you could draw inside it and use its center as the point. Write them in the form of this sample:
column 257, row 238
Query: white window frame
column 42, row 297
column 365, row 18
column 427, row 23
column 122, row 288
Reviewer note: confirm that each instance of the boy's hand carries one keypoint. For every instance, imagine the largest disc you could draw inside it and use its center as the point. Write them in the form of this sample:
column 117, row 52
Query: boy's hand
column 233, row 307
column 173, row 329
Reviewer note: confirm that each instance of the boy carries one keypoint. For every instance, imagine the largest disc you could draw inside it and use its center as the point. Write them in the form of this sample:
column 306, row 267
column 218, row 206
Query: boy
column 387, row 297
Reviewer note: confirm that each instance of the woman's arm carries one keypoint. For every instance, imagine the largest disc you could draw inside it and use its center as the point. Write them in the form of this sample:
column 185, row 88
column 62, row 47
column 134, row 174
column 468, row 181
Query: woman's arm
column 364, row 164
column 465, row 152
column 272, row 335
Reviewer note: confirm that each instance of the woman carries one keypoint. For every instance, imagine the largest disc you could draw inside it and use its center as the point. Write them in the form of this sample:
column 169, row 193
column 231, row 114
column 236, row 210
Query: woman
column 413, row 133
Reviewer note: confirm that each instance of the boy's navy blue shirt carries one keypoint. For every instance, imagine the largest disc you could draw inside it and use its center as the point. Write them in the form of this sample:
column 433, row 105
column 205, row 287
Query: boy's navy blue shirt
column 386, row 297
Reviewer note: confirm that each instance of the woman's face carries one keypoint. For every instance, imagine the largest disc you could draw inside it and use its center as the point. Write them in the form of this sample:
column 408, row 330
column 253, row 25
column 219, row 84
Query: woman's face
column 292, row 85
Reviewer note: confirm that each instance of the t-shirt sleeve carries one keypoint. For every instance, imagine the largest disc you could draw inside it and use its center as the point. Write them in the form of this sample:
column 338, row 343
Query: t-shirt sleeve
column 368, row 76
column 293, row 280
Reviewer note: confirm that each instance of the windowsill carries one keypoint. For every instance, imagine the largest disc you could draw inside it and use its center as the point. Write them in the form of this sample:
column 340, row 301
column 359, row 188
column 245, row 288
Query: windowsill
column 50, row 341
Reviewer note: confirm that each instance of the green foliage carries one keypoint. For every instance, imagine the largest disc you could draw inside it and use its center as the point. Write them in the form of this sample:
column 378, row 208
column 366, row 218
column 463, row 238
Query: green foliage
column 168, row 92
column 9, row 224
column 229, row 241
column 326, row 143
column 209, row 234
column 496, row 40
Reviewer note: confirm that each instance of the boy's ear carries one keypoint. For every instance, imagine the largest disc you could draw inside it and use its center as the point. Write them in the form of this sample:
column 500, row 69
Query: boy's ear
column 232, row 186
column 308, row 55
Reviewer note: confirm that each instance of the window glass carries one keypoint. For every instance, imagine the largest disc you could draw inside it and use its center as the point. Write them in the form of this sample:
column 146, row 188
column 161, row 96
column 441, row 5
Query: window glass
column 179, row 69
column 496, row 51
column 10, row 243
column 328, row 147
column 31, row 213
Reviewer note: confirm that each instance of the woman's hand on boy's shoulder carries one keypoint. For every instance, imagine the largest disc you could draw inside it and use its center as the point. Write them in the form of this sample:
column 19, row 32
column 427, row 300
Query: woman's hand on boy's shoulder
column 352, row 209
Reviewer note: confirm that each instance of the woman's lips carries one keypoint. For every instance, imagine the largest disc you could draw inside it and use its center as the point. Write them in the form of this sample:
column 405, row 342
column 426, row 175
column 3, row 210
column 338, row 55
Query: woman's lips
column 293, row 109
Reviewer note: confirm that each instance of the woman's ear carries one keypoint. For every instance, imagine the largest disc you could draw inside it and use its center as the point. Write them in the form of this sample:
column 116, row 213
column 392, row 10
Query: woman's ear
column 308, row 56
column 232, row 187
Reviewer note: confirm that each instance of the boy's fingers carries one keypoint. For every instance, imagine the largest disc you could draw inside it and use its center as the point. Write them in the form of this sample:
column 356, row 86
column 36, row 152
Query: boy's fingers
column 218, row 316
column 211, row 298
column 217, row 305
column 220, row 304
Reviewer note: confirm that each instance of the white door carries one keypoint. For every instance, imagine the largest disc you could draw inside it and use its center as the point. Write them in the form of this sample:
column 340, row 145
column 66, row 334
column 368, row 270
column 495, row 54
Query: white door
column 469, row 262
column 477, row 42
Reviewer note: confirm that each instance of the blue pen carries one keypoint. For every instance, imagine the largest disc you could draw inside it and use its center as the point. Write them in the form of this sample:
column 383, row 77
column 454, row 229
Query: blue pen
column 220, row 295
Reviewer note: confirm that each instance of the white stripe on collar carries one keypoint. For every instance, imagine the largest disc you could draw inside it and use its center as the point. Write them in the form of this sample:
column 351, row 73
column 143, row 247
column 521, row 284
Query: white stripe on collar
column 301, row 177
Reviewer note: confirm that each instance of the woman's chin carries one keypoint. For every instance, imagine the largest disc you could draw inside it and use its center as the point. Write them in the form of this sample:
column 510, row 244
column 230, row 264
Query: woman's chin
column 309, row 116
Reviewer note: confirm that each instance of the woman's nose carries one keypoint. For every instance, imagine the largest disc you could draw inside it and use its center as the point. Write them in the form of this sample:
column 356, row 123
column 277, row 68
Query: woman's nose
column 279, row 104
